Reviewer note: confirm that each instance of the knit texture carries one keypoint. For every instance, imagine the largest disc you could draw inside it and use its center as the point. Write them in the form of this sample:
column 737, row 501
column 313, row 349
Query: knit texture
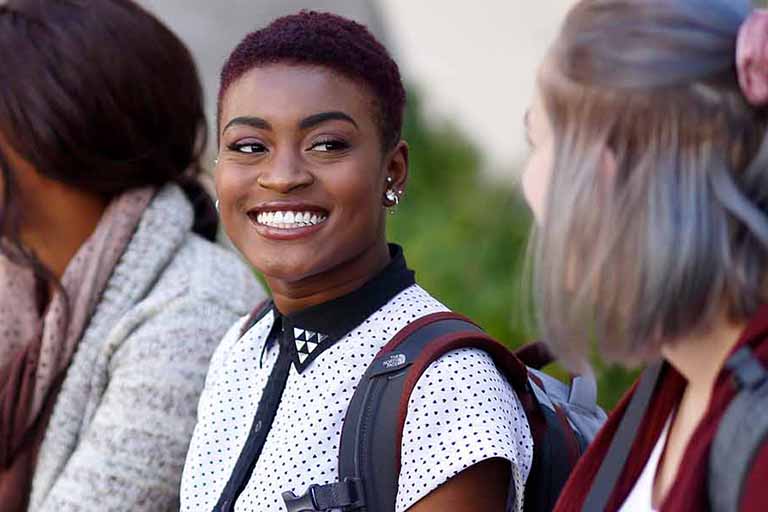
column 121, row 426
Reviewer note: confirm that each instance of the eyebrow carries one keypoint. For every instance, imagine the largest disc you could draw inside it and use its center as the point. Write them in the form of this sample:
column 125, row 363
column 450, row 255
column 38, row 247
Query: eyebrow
column 255, row 122
column 315, row 119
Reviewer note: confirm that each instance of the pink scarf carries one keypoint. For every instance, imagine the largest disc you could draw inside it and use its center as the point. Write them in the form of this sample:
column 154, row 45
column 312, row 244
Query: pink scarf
column 35, row 351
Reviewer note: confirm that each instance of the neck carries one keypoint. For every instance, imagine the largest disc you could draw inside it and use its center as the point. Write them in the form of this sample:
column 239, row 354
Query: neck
column 700, row 358
column 58, row 223
column 293, row 296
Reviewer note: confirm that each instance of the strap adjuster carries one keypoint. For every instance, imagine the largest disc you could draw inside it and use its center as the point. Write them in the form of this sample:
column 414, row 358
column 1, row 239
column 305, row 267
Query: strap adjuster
column 304, row 503
column 346, row 495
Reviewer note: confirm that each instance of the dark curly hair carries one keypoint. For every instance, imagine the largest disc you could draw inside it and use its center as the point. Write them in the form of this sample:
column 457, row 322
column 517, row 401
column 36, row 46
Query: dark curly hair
column 331, row 41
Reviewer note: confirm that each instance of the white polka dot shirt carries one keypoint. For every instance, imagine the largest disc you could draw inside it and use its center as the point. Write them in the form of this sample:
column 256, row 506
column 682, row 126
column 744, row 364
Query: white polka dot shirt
column 461, row 412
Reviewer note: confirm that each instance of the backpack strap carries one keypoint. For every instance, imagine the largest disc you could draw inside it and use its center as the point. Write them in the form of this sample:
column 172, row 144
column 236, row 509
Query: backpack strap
column 369, row 453
column 371, row 436
column 742, row 431
column 611, row 468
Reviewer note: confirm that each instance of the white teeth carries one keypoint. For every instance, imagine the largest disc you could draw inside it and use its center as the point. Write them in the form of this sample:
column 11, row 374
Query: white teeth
column 289, row 220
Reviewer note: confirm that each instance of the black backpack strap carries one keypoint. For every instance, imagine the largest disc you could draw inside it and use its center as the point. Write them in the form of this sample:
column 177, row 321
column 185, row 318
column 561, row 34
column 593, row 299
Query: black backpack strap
column 369, row 454
column 372, row 431
column 613, row 463
column 742, row 431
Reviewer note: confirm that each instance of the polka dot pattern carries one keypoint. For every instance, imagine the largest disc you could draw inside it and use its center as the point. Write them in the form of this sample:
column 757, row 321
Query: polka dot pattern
column 303, row 444
column 461, row 412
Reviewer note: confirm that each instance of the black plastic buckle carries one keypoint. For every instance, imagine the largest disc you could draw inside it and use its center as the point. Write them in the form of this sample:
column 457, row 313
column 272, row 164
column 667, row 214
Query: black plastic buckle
column 304, row 503
column 320, row 498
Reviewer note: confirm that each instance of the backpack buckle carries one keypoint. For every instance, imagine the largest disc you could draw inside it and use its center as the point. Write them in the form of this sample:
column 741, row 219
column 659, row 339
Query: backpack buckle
column 346, row 496
column 304, row 503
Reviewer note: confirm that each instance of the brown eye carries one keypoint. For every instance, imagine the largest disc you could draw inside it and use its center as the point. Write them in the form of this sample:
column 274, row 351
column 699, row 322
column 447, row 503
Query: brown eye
column 247, row 147
column 325, row 146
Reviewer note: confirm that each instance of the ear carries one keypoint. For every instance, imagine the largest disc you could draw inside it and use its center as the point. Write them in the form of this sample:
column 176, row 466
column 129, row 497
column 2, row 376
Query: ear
column 396, row 168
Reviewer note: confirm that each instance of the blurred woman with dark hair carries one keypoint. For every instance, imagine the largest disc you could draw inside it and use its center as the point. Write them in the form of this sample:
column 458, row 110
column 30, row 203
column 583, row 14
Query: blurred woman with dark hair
column 649, row 180
column 111, row 298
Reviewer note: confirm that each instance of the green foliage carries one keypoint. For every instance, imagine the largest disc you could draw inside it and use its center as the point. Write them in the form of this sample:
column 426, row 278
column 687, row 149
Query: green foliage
column 466, row 238
column 464, row 235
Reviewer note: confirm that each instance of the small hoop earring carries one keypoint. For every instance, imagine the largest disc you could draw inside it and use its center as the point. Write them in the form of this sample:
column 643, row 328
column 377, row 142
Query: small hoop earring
column 217, row 205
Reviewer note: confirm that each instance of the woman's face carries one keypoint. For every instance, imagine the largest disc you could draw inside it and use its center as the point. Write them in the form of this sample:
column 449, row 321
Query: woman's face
column 538, row 169
column 301, row 176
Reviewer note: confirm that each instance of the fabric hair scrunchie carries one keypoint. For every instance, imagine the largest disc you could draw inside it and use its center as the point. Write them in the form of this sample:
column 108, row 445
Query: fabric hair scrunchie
column 752, row 57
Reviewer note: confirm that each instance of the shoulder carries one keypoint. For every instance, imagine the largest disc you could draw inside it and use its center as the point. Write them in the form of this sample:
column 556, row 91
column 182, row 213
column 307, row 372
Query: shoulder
column 461, row 412
column 465, row 384
column 202, row 291
column 203, row 287
column 210, row 273
column 408, row 305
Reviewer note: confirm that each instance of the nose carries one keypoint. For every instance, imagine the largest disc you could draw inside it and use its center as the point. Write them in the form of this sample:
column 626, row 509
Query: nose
column 285, row 173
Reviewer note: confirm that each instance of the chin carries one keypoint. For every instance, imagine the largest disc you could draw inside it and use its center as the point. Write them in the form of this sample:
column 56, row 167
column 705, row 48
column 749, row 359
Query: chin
column 286, row 267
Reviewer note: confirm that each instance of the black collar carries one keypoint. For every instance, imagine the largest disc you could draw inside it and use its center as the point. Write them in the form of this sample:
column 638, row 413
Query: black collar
column 309, row 332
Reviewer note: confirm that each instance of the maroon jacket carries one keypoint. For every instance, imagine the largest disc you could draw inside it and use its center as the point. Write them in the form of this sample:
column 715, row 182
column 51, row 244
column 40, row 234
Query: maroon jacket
column 689, row 492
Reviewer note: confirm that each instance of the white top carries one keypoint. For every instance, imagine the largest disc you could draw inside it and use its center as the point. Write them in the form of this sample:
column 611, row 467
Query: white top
column 462, row 411
column 640, row 499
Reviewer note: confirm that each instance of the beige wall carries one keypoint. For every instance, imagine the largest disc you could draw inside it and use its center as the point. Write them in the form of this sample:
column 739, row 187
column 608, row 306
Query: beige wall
column 477, row 62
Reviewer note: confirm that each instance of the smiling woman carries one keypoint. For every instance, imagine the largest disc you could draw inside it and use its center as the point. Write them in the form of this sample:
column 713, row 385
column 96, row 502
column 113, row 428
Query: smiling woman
column 310, row 161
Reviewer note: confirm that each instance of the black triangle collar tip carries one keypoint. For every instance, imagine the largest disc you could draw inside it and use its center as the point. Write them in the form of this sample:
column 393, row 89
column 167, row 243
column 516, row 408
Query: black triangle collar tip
column 306, row 345
column 303, row 355
column 310, row 332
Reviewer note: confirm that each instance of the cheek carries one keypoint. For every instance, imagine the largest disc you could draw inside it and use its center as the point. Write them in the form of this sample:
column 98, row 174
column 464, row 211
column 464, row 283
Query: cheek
column 356, row 199
column 536, row 177
column 232, row 186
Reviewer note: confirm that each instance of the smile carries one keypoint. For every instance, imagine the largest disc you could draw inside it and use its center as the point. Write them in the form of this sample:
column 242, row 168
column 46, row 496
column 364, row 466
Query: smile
column 288, row 219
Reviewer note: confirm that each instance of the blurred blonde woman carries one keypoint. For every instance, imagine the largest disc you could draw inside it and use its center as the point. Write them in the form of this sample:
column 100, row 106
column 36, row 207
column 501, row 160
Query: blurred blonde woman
column 649, row 180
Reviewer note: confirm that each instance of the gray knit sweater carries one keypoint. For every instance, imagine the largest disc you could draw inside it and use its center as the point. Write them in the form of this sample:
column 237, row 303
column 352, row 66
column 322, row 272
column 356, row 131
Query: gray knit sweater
column 123, row 419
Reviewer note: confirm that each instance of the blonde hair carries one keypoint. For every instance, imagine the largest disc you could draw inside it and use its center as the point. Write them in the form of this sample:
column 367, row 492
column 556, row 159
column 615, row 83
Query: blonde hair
column 658, row 245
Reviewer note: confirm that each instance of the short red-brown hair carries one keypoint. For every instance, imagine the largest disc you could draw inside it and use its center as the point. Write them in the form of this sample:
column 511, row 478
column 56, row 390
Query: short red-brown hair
column 331, row 41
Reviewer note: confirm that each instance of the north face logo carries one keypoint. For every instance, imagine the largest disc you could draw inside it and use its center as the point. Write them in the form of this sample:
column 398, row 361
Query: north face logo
column 393, row 361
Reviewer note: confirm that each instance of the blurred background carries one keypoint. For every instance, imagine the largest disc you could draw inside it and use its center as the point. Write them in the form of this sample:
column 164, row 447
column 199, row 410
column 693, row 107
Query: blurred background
column 470, row 74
